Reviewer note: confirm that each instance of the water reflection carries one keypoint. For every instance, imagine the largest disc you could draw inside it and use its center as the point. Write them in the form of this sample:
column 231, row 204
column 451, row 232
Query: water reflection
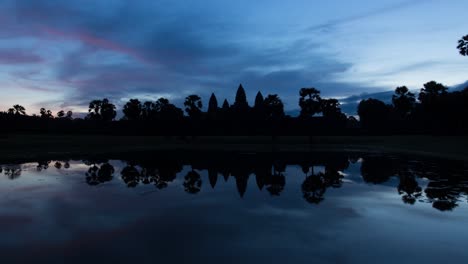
column 445, row 182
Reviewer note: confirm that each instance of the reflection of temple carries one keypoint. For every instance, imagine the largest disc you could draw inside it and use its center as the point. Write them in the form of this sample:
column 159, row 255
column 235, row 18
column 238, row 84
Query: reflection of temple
column 445, row 182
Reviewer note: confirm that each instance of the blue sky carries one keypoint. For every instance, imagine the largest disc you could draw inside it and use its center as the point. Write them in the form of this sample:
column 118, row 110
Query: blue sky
column 62, row 54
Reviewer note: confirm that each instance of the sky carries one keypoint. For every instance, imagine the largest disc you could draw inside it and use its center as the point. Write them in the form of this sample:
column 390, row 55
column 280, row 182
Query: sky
column 63, row 54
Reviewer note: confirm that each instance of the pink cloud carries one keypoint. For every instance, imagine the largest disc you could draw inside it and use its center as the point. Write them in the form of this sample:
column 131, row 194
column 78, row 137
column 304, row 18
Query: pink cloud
column 96, row 42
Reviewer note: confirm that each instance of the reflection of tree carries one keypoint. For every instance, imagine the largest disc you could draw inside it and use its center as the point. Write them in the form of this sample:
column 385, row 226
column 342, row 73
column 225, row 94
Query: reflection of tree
column 58, row 165
column 443, row 194
column 192, row 182
column 408, row 187
column 378, row 169
column 97, row 175
column 315, row 185
column 130, row 175
column 313, row 188
column 12, row 171
column 43, row 165
column 276, row 181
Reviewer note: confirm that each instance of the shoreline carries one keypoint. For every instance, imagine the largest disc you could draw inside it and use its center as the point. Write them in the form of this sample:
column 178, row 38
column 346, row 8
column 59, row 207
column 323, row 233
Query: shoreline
column 43, row 146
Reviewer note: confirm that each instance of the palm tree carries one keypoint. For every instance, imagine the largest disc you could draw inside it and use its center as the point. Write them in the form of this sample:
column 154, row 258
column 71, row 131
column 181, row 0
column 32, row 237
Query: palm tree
column 193, row 105
column 19, row 110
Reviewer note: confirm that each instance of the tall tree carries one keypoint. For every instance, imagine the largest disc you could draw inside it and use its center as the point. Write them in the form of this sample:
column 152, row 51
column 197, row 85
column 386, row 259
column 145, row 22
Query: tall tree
column 309, row 101
column 274, row 107
column 463, row 46
column 403, row 101
column 193, row 105
column 132, row 109
column 431, row 93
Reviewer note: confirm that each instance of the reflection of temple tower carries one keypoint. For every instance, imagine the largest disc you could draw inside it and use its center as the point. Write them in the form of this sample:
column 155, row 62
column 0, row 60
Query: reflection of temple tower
column 241, row 183
column 213, row 177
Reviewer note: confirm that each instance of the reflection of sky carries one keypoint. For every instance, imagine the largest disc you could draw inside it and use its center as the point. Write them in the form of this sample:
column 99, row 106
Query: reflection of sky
column 54, row 213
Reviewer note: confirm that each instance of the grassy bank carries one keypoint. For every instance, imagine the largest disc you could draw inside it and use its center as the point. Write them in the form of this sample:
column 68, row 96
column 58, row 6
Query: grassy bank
column 33, row 146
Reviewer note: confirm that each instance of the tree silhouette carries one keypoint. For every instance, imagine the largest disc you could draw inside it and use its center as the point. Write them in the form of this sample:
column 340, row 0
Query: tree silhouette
column 193, row 105
column 161, row 109
column 130, row 175
column 69, row 115
column 45, row 113
column 101, row 110
column 403, row 101
column 313, row 188
column 192, row 182
column 132, row 109
column 330, row 107
column 60, row 114
column 148, row 110
column 17, row 110
column 463, row 46
column 373, row 113
column 309, row 101
column 431, row 93
column 97, row 175
column 274, row 108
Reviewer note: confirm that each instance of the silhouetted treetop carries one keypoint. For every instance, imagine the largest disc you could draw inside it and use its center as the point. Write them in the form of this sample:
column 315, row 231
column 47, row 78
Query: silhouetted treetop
column 330, row 107
column 45, row 113
column 101, row 110
column 309, row 101
column 193, row 105
column 132, row 109
column 60, row 114
column 373, row 113
column 403, row 101
column 17, row 110
column 463, row 46
column 431, row 92
column 274, row 107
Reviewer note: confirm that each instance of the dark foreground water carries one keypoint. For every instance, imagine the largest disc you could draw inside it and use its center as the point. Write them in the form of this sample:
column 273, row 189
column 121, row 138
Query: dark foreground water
column 234, row 208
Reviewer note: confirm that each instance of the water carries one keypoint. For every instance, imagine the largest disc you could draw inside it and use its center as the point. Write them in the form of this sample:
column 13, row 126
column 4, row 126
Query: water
column 234, row 208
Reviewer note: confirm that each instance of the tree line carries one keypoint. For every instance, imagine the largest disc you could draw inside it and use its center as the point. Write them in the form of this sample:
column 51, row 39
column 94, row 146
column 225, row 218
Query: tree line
column 435, row 109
